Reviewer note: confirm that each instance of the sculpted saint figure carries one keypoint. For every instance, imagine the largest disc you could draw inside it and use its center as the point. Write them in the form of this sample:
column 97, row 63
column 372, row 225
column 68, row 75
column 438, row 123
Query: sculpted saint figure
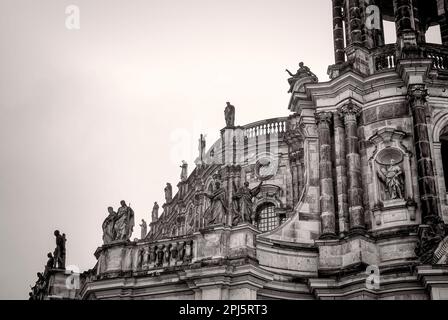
column 168, row 193
column 59, row 251
column 243, row 203
column 229, row 114
column 155, row 212
column 108, row 226
column 184, row 171
column 303, row 72
column 144, row 229
column 124, row 222
column 50, row 262
column 393, row 179
column 217, row 211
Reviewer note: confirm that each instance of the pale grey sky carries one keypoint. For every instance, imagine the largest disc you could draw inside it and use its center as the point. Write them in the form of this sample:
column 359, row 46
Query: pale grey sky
column 106, row 113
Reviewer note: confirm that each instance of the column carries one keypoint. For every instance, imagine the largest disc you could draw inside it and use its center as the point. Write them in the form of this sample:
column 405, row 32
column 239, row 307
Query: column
column 350, row 113
column 323, row 120
column 338, row 32
column 341, row 175
column 426, row 179
column 355, row 22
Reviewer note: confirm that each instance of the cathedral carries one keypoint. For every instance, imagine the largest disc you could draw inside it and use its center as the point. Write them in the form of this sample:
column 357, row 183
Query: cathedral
column 345, row 197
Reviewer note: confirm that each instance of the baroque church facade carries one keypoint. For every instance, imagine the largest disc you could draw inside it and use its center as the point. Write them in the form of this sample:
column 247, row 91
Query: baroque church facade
column 346, row 197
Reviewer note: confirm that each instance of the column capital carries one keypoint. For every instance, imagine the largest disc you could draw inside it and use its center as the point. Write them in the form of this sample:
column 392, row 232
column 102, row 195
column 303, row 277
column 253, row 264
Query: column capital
column 417, row 94
column 349, row 109
column 324, row 116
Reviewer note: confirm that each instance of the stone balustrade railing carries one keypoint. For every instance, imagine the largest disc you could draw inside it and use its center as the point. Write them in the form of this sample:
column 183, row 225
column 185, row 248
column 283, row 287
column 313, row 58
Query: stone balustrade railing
column 162, row 254
column 384, row 58
column 265, row 127
column 438, row 53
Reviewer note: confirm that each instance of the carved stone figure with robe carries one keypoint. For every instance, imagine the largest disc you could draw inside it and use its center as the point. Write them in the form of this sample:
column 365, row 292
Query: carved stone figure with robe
column 229, row 114
column 59, row 251
column 168, row 193
column 155, row 212
column 124, row 222
column 217, row 212
column 243, row 205
column 108, row 226
column 143, row 229
column 303, row 72
column 393, row 179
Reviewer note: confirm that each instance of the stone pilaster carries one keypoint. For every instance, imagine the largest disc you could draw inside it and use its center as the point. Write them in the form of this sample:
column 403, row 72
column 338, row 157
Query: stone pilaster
column 350, row 113
column 341, row 175
column 338, row 31
column 328, row 218
column 426, row 179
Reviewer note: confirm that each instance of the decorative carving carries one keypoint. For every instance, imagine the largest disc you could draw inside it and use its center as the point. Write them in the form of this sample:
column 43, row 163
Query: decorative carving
column 326, row 117
column 431, row 235
column 229, row 114
column 417, row 94
column 59, row 251
column 144, row 229
column 243, row 204
column 124, row 222
column 168, row 193
column 303, row 72
column 349, row 111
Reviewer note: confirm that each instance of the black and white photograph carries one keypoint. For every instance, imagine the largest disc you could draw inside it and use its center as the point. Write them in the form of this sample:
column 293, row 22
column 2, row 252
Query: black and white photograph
column 237, row 152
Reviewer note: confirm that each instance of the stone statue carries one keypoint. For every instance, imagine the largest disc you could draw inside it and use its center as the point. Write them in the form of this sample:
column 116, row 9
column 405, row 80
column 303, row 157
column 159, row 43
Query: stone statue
column 303, row 72
column 155, row 212
column 124, row 222
column 59, row 251
column 168, row 193
column 144, row 229
column 217, row 212
column 50, row 262
column 243, row 204
column 393, row 179
column 108, row 226
column 229, row 114
column 184, row 171
column 38, row 290
column 201, row 149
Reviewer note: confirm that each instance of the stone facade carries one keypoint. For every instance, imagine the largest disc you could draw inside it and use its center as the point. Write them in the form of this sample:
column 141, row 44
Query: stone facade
column 353, row 181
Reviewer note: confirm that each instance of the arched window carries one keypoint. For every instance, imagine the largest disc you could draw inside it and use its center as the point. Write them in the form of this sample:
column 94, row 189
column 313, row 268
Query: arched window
column 444, row 150
column 267, row 219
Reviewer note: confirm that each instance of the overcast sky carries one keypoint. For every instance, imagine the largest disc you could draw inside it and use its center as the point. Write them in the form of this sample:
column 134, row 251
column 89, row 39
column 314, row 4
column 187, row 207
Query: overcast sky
column 107, row 112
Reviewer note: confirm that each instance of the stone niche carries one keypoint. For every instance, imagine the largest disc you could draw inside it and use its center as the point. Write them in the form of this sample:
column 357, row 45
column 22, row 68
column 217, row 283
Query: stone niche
column 391, row 188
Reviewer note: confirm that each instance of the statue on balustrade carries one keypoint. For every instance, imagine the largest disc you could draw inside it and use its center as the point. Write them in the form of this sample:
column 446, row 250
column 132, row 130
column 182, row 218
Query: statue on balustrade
column 124, row 222
column 393, row 179
column 59, row 251
column 108, row 226
column 229, row 114
column 50, row 261
column 184, row 171
column 160, row 255
column 217, row 211
column 155, row 212
column 303, row 72
column 168, row 193
column 243, row 204
column 38, row 290
column 143, row 229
